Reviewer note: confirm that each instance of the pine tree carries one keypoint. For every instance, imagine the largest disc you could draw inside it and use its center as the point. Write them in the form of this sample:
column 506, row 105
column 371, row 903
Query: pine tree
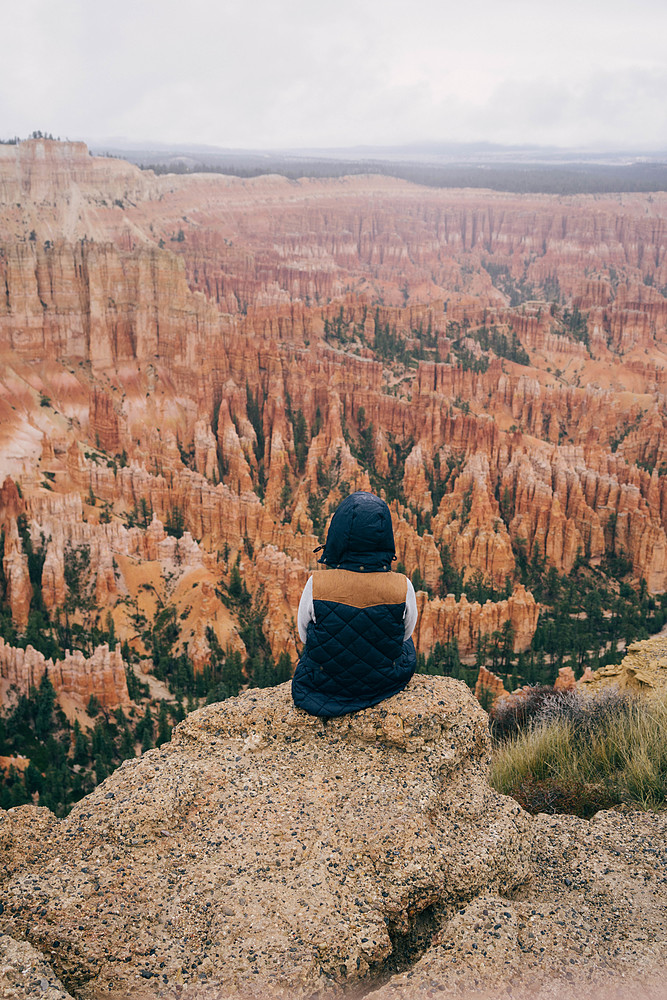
column 101, row 771
column 145, row 729
column 94, row 707
column 232, row 673
column 127, row 747
column 46, row 699
column 32, row 780
column 235, row 583
column 163, row 727
column 81, row 746
column 283, row 670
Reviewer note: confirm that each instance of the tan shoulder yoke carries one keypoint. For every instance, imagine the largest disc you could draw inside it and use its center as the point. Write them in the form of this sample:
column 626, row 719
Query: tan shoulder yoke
column 359, row 590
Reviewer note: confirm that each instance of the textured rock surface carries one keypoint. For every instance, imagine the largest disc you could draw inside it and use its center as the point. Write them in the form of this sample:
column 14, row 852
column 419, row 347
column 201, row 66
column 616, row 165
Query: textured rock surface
column 642, row 669
column 264, row 849
column 266, row 853
column 593, row 919
column 24, row 973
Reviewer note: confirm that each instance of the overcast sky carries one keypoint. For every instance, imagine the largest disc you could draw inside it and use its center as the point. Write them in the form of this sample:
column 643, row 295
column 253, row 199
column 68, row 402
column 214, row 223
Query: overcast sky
column 285, row 73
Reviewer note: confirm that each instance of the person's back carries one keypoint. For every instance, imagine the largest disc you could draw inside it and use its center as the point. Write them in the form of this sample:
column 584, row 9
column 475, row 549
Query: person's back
column 356, row 618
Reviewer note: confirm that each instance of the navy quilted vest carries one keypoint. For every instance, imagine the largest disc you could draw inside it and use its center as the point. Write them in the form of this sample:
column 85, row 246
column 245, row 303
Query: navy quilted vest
column 354, row 654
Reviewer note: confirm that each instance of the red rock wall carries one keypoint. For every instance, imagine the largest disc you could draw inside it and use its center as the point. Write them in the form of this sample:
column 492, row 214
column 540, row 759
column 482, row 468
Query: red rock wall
column 443, row 620
column 101, row 675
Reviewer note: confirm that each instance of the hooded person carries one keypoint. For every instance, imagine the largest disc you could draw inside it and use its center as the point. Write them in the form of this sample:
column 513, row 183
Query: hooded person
column 356, row 619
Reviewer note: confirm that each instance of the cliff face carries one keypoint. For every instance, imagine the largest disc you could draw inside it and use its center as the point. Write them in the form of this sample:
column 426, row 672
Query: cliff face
column 78, row 678
column 232, row 357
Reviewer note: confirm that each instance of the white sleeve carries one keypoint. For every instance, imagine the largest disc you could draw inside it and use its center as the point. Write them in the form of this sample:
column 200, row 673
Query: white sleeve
column 410, row 616
column 306, row 611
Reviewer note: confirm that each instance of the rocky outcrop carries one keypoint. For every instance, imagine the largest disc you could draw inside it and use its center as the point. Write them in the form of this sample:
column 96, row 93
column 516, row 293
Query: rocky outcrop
column 47, row 172
column 25, row 973
column 417, row 552
column 642, row 670
column 264, row 851
column 232, row 453
column 488, row 688
column 443, row 620
column 17, row 577
column 11, row 502
column 469, row 523
column 104, row 304
column 75, row 678
column 104, row 422
column 280, row 581
column 565, row 680
column 591, row 920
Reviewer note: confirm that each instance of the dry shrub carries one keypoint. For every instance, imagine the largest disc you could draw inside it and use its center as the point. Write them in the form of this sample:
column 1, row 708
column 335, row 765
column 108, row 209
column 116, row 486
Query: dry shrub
column 575, row 798
column 513, row 714
column 541, row 703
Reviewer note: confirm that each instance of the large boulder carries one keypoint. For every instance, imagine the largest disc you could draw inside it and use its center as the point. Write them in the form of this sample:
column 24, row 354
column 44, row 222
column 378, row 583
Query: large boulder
column 266, row 851
column 591, row 922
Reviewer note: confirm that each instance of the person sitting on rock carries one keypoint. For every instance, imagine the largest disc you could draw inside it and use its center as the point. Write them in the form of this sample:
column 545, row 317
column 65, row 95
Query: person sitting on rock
column 356, row 619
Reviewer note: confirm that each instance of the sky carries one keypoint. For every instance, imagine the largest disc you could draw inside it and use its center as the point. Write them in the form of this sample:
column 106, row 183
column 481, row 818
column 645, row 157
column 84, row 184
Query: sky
column 278, row 74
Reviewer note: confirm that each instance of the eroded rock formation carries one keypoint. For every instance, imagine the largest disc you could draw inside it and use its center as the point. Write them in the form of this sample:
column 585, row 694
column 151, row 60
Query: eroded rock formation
column 443, row 620
column 489, row 688
column 233, row 356
column 77, row 677
column 642, row 670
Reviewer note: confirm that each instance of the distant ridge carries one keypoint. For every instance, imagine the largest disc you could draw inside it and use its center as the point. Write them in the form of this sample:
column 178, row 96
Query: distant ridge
column 518, row 169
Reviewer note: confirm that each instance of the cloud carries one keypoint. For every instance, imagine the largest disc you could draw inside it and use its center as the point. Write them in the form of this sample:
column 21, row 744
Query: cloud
column 618, row 110
column 293, row 73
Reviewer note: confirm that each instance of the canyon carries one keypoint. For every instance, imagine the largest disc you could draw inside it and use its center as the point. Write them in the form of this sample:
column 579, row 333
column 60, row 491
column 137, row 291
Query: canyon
column 197, row 368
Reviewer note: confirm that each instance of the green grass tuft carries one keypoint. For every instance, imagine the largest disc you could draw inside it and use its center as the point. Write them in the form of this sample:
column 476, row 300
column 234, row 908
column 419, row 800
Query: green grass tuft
column 587, row 752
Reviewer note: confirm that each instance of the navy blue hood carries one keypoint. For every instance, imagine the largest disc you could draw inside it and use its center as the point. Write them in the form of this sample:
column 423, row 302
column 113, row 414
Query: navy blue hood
column 360, row 537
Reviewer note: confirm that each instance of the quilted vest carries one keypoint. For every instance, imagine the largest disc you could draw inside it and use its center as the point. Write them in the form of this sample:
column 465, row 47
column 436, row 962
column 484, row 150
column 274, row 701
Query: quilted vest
column 354, row 654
